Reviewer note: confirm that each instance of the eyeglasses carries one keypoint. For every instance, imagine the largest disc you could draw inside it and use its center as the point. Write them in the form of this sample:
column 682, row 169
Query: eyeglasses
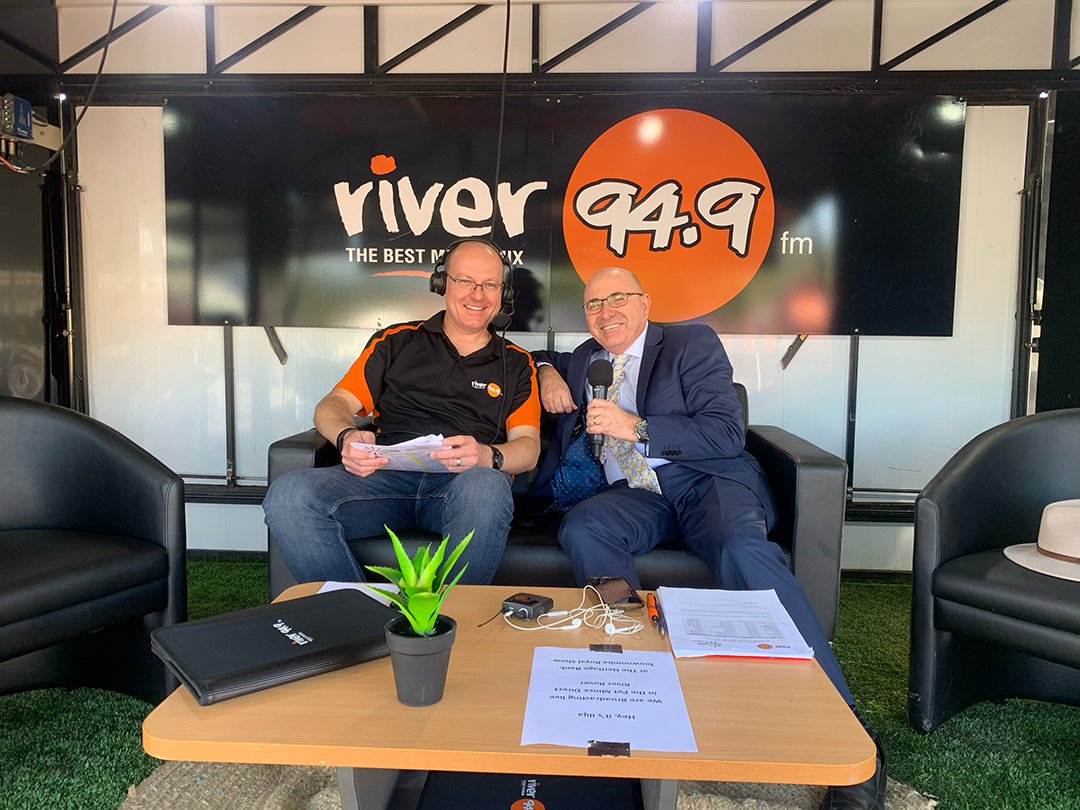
column 486, row 286
column 616, row 299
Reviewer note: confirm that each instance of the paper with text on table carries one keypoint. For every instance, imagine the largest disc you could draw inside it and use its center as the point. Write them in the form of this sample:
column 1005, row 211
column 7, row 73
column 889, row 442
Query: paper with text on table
column 703, row 621
column 577, row 696
column 413, row 455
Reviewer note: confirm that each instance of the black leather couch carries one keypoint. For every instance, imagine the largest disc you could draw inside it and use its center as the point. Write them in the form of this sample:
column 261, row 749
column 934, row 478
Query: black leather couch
column 809, row 484
column 92, row 548
column 983, row 627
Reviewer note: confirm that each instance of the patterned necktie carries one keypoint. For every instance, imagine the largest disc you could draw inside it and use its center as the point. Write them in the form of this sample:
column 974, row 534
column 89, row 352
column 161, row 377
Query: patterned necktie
column 639, row 475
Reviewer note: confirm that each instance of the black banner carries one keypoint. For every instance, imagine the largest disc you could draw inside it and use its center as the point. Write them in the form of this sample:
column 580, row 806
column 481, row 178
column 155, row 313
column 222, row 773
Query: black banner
column 758, row 215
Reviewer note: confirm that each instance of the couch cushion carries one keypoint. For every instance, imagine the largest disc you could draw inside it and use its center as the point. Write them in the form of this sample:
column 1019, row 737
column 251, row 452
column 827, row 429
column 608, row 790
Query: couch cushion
column 46, row 571
column 991, row 582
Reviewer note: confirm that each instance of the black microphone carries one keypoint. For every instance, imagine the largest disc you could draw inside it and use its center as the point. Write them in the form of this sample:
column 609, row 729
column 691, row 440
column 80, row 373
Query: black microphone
column 600, row 377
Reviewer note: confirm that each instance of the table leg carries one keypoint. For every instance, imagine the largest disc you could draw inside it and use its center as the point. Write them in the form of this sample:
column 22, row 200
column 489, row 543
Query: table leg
column 659, row 794
column 366, row 788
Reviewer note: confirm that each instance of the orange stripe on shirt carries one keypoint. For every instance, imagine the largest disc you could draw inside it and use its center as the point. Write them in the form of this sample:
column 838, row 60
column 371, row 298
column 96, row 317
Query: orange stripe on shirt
column 354, row 380
column 528, row 412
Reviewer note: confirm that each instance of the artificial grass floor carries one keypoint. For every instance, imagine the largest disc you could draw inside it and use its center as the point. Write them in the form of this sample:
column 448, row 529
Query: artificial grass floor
column 81, row 750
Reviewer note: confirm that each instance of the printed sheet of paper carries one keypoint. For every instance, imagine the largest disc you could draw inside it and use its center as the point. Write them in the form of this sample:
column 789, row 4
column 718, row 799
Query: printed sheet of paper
column 577, row 696
column 703, row 621
column 367, row 588
column 412, row 456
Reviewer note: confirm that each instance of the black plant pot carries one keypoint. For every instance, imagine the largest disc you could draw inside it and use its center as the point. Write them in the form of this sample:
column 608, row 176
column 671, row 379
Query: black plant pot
column 420, row 662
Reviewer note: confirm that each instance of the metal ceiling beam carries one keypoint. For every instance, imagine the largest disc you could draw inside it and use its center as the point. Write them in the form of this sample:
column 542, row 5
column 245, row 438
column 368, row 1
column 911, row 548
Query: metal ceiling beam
column 963, row 22
column 598, row 34
column 117, row 32
column 31, row 53
column 981, row 86
column 432, row 38
column 264, row 40
column 1062, row 47
column 772, row 33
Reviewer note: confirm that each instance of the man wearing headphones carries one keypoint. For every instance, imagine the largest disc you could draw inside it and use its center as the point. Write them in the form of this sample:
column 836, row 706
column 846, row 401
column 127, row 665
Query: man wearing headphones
column 450, row 375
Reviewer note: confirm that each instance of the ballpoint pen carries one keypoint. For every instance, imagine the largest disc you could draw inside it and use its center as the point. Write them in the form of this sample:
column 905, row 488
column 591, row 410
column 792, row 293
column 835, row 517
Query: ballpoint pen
column 655, row 616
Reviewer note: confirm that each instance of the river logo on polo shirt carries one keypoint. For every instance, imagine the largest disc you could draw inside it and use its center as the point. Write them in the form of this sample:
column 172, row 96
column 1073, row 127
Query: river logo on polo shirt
column 677, row 197
column 493, row 389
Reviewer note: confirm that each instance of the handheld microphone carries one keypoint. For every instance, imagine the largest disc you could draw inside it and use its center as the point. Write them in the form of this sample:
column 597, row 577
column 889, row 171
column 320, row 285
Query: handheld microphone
column 600, row 377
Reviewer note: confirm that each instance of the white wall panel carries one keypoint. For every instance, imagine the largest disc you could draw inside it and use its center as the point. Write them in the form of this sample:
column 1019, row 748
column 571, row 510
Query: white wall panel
column 475, row 47
column 836, row 37
column 870, row 547
column 1074, row 36
column 217, row 527
column 808, row 398
column 330, row 41
column 660, row 40
column 237, row 26
column 173, row 41
column 162, row 386
column 564, row 26
column 1017, row 35
column 921, row 399
column 273, row 400
column 906, row 23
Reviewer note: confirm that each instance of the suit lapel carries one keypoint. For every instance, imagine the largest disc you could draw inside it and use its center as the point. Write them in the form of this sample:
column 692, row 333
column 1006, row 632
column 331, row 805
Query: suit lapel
column 578, row 371
column 576, row 375
column 653, row 338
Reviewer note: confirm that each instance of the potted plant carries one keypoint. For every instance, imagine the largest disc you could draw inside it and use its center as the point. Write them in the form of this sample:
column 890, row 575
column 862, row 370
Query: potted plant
column 420, row 639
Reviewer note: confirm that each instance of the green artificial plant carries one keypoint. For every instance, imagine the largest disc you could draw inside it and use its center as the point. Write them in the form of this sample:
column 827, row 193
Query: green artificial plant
column 421, row 581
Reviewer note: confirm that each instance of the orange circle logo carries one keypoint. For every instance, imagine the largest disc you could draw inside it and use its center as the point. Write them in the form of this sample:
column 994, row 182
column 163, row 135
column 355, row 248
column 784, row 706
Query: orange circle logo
column 680, row 199
column 527, row 804
column 493, row 389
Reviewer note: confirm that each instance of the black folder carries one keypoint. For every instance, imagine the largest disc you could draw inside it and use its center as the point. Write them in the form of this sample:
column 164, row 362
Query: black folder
column 248, row 650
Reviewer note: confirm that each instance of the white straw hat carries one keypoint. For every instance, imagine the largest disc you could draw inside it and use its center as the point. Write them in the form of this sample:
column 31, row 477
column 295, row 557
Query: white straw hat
column 1057, row 552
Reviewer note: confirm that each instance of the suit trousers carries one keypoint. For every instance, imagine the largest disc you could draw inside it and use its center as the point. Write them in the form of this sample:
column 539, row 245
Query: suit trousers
column 722, row 521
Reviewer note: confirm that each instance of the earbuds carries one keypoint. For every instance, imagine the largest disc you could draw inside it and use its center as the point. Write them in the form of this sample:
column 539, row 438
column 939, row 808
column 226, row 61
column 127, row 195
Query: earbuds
column 597, row 617
column 574, row 625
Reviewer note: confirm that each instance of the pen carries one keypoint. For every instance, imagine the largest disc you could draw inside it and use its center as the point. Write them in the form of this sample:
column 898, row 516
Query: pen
column 655, row 616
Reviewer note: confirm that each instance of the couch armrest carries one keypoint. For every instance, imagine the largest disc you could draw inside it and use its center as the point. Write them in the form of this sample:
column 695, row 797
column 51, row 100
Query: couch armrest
column 300, row 452
column 809, row 485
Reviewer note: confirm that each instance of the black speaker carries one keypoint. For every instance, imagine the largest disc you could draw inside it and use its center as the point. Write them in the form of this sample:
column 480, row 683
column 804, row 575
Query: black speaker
column 437, row 282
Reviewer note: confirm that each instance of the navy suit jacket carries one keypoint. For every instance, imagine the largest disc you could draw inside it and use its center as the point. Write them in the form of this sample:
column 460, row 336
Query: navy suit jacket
column 685, row 392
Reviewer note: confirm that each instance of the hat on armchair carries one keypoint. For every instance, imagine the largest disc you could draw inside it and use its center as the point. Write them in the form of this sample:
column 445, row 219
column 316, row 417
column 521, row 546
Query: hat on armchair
column 1057, row 552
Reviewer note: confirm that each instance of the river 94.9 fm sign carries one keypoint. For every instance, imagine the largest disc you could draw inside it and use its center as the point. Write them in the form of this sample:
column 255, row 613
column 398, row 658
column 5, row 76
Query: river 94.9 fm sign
column 757, row 215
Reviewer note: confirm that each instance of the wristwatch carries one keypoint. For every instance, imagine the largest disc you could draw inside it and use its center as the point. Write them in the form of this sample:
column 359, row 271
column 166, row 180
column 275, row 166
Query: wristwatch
column 641, row 430
column 496, row 457
column 341, row 438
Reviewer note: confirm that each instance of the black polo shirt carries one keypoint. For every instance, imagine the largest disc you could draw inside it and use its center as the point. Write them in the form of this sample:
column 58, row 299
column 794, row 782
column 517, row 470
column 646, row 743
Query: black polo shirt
column 413, row 381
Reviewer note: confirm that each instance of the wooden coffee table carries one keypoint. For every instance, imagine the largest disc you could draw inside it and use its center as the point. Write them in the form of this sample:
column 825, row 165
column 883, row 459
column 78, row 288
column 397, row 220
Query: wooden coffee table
column 754, row 721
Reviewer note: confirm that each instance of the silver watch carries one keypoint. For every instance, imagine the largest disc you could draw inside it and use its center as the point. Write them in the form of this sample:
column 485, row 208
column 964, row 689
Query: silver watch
column 641, row 430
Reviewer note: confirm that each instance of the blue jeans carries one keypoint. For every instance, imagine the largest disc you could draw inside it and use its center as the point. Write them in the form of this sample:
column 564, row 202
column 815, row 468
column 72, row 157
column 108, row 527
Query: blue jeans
column 312, row 512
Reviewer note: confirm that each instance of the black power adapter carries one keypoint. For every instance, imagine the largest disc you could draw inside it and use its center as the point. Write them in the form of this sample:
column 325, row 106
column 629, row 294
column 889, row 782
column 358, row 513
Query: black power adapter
column 527, row 605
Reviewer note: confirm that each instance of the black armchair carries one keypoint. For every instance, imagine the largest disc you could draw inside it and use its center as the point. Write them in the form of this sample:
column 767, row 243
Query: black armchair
column 93, row 549
column 983, row 627
column 808, row 483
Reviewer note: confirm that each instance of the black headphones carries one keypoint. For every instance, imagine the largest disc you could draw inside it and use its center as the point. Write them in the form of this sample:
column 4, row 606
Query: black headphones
column 437, row 282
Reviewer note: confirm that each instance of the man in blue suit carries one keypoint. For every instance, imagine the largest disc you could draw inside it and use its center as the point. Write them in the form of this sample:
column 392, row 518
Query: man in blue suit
column 674, row 464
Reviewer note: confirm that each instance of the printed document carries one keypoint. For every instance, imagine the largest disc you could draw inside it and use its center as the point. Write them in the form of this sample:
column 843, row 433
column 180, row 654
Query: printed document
column 712, row 622
column 579, row 696
column 412, row 456
column 372, row 589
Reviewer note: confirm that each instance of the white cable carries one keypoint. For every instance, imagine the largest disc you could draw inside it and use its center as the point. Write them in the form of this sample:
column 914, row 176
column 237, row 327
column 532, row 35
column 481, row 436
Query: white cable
column 597, row 617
